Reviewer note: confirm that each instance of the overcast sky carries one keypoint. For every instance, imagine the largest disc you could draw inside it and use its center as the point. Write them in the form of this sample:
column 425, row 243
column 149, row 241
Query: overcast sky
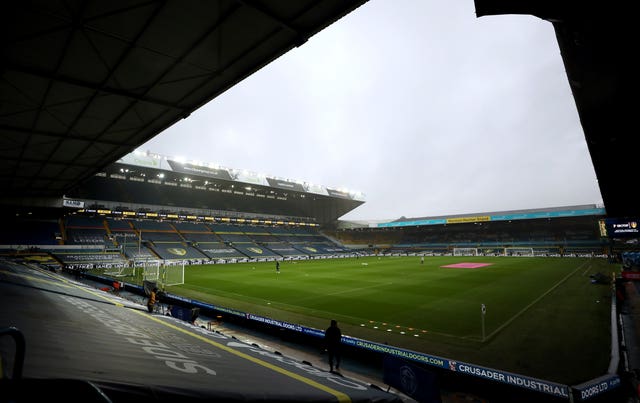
column 420, row 105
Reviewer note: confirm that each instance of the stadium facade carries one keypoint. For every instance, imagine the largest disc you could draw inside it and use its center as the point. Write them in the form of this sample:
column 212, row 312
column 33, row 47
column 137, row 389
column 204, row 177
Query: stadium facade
column 574, row 230
column 145, row 185
column 150, row 206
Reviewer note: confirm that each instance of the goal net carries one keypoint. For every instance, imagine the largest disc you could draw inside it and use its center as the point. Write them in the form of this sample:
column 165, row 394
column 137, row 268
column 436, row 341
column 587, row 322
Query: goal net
column 465, row 251
column 150, row 270
column 121, row 271
column 518, row 251
column 173, row 274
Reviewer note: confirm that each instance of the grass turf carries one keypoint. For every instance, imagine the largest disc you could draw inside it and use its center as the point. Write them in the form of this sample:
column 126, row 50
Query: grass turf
column 544, row 318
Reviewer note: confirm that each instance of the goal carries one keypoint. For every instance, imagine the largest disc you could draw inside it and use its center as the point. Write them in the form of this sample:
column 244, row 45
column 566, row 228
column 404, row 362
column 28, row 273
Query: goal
column 121, row 271
column 518, row 251
column 465, row 251
column 173, row 274
column 164, row 274
column 150, row 270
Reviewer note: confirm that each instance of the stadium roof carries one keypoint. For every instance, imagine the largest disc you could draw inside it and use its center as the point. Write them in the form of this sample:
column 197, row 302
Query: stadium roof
column 589, row 210
column 83, row 83
column 147, row 180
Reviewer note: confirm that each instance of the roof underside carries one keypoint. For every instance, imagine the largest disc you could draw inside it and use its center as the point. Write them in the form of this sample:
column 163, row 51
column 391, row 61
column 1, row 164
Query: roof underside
column 215, row 195
column 83, row 83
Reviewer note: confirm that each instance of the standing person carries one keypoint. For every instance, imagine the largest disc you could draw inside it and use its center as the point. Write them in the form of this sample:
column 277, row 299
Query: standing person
column 332, row 339
column 153, row 298
column 421, row 259
column 277, row 267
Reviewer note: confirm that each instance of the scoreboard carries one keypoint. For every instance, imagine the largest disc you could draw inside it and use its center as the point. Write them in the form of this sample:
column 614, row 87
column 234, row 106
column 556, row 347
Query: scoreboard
column 621, row 227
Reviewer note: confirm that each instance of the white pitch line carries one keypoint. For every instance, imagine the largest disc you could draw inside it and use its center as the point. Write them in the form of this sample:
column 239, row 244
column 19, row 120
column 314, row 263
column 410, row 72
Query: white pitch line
column 514, row 317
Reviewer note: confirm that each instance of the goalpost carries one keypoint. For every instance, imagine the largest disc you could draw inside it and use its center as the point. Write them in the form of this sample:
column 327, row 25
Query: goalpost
column 150, row 270
column 465, row 251
column 518, row 251
column 164, row 274
column 173, row 274
column 121, row 271
column 154, row 271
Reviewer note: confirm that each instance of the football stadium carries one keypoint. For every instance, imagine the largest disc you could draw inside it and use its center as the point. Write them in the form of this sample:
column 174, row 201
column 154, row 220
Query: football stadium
column 490, row 306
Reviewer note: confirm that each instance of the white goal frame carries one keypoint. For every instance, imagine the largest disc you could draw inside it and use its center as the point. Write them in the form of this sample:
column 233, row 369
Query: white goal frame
column 151, row 270
column 465, row 252
column 172, row 274
column 518, row 251
column 122, row 271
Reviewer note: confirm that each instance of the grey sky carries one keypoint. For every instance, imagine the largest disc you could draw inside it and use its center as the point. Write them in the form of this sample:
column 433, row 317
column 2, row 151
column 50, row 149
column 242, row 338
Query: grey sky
column 420, row 105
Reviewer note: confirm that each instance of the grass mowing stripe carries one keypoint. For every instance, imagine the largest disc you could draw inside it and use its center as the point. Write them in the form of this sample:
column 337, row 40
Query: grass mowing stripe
column 230, row 294
column 523, row 310
column 425, row 297
column 277, row 304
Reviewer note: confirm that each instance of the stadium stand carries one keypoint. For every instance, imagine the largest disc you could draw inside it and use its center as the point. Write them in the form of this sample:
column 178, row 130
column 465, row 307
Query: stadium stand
column 219, row 251
column 30, row 232
column 80, row 230
column 577, row 236
column 253, row 250
column 84, row 258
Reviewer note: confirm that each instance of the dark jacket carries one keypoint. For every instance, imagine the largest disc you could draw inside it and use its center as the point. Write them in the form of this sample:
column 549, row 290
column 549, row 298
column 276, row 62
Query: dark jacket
column 332, row 336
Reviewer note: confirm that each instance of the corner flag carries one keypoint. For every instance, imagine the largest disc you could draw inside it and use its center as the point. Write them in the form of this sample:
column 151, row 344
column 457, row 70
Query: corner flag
column 483, row 309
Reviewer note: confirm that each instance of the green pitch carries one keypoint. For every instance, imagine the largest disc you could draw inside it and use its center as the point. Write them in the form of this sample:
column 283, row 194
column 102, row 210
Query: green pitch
column 543, row 318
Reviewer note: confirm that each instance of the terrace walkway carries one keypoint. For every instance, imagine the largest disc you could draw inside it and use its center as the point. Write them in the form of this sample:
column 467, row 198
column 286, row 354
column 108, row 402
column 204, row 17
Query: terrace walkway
column 350, row 367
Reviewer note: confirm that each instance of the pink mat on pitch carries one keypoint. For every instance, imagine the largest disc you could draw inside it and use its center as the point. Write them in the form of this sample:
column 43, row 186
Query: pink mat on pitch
column 466, row 265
